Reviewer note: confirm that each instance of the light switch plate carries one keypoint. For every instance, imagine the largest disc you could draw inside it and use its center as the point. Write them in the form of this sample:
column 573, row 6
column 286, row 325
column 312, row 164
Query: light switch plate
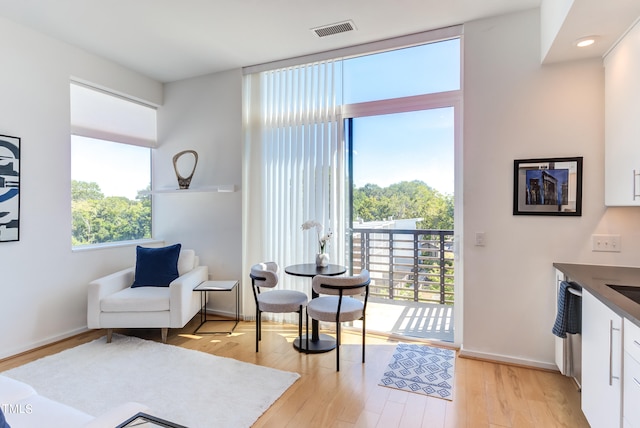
column 609, row 243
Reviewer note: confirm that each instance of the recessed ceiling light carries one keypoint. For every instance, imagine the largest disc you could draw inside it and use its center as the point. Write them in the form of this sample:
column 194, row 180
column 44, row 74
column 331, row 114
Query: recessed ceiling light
column 585, row 41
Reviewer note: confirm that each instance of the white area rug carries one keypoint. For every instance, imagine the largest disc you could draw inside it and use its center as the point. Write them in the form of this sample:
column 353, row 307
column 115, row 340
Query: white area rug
column 188, row 387
column 422, row 369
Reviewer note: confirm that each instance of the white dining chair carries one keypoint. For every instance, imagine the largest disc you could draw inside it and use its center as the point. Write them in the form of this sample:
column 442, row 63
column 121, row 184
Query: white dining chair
column 337, row 303
column 265, row 275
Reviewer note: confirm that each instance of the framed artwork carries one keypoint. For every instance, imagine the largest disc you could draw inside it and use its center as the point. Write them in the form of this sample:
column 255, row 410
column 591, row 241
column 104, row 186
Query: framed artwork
column 547, row 186
column 9, row 188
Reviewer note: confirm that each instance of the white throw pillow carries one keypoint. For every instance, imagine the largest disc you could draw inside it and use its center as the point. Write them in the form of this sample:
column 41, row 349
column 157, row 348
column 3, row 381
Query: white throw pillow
column 186, row 261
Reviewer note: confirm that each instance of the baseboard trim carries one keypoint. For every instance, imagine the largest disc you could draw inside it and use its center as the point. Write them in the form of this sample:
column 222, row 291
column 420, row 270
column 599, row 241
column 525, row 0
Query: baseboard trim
column 41, row 344
column 504, row 359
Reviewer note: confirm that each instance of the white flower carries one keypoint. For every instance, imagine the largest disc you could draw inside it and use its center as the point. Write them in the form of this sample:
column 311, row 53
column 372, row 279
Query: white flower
column 323, row 240
column 310, row 224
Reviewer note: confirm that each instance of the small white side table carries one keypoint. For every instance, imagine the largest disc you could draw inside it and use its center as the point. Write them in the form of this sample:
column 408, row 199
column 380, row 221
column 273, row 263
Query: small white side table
column 214, row 286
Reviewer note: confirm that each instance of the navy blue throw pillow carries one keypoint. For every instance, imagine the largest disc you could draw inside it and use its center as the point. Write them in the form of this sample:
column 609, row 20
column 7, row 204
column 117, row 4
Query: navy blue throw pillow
column 3, row 421
column 156, row 267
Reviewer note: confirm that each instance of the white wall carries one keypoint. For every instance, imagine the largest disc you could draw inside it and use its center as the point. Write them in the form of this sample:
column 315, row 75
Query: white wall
column 203, row 114
column 552, row 15
column 514, row 108
column 43, row 283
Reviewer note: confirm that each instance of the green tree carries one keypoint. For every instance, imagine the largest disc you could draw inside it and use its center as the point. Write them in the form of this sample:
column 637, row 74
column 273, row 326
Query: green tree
column 82, row 191
column 407, row 199
column 98, row 219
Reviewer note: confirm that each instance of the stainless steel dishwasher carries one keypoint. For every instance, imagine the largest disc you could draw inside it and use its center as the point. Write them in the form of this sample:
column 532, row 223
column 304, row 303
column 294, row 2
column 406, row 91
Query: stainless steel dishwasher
column 569, row 349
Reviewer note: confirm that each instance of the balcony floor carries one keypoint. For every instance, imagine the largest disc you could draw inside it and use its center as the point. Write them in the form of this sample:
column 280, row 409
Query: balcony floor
column 421, row 320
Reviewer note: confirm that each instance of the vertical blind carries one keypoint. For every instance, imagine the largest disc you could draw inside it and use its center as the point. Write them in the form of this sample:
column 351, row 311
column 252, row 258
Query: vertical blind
column 299, row 150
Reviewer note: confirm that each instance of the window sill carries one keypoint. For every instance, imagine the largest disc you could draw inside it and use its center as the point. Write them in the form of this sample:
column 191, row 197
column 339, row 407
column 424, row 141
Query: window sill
column 119, row 244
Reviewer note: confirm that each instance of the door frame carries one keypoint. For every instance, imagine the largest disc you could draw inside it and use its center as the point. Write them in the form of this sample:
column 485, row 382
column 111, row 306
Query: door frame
column 449, row 99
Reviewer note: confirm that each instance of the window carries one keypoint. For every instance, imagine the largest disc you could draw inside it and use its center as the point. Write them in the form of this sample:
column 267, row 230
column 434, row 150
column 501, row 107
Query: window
column 294, row 117
column 316, row 130
column 424, row 69
column 111, row 145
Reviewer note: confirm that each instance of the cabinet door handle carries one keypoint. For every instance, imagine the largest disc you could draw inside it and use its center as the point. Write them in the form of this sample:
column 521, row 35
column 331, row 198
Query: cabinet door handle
column 611, row 330
column 635, row 180
column 636, row 343
column 636, row 381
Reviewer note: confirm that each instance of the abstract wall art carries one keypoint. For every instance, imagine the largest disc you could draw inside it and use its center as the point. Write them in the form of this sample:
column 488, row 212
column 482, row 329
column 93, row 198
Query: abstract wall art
column 548, row 186
column 9, row 188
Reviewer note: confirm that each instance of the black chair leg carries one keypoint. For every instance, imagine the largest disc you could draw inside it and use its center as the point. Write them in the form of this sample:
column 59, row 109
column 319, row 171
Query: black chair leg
column 258, row 328
column 338, row 347
column 363, row 336
column 307, row 332
column 300, row 326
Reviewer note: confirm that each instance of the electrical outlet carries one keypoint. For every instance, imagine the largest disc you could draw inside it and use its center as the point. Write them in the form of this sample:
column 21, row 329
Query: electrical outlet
column 480, row 239
column 610, row 243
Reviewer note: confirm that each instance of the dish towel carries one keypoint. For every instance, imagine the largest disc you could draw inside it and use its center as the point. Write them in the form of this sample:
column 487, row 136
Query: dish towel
column 569, row 317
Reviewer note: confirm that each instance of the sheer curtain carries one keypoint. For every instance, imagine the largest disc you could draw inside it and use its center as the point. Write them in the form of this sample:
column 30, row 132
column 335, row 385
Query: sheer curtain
column 294, row 169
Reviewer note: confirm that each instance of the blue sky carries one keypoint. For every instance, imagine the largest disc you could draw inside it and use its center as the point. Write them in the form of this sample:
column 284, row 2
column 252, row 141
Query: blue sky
column 405, row 146
column 425, row 69
column 119, row 169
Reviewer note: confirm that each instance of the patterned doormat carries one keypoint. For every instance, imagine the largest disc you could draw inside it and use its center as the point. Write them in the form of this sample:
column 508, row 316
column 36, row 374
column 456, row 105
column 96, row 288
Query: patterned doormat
column 422, row 369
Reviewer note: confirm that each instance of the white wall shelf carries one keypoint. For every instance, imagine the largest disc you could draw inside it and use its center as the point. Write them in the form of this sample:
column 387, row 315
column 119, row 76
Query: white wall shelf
column 223, row 188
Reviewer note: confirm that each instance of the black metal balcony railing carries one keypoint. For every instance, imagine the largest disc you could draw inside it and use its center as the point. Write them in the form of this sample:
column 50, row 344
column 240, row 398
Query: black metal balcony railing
column 414, row 265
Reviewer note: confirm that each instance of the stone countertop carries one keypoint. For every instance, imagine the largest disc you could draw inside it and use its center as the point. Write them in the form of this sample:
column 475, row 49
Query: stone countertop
column 594, row 278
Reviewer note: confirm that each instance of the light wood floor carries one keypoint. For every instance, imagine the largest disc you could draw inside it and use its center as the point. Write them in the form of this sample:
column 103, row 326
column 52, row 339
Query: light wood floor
column 486, row 394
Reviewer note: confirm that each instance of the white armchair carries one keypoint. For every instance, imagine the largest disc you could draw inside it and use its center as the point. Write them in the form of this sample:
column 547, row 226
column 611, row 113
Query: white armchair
column 113, row 303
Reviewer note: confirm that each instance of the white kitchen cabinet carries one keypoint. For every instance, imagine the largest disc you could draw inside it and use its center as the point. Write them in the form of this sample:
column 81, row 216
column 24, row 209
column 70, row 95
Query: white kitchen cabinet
column 601, row 363
column 631, row 388
column 622, row 126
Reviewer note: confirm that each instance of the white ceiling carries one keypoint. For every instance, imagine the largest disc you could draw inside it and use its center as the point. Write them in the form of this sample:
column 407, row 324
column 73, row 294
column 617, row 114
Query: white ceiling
column 171, row 40
column 608, row 20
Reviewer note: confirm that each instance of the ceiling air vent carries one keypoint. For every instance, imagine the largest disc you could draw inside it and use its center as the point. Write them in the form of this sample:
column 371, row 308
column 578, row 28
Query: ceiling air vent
column 328, row 30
